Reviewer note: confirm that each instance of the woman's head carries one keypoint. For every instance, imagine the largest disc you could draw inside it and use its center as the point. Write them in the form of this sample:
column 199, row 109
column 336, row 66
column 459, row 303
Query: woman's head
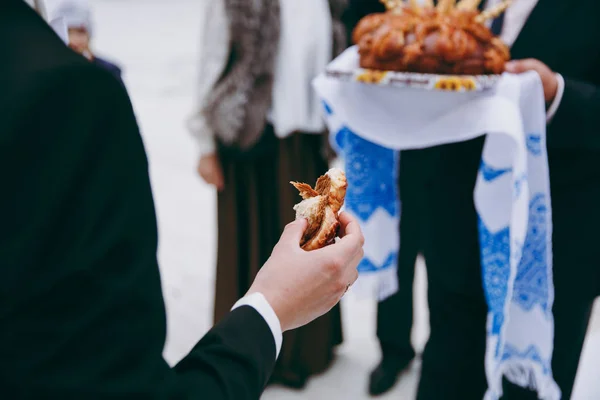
column 79, row 39
column 77, row 16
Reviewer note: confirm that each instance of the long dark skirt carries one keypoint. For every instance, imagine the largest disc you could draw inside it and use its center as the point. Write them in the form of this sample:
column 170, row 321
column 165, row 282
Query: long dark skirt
column 253, row 209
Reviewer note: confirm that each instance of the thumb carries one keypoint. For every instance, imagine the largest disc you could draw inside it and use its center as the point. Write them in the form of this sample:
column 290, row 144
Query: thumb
column 293, row 232
column 519, row 66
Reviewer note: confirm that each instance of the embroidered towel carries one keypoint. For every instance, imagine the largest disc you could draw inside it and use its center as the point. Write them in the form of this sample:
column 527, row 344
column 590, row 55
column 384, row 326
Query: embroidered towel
column 369, row 124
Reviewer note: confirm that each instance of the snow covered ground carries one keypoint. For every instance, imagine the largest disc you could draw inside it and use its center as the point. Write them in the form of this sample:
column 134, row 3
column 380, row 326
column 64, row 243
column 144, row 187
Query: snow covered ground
column 157, row 43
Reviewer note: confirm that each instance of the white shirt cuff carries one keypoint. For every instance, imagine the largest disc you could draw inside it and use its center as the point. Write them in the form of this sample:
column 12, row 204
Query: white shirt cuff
column 262, row 306
column 560, row 91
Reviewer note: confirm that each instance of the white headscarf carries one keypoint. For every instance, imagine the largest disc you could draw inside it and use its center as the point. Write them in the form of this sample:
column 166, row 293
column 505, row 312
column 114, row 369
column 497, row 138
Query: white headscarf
column 75, row 13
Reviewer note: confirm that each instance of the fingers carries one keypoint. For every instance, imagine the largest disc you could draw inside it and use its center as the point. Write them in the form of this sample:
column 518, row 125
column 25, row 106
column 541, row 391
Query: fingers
column 516, row 66
column 214, row 180
column 344, row 250
column 348, row 224
column 213, row 177
column 341, row 259
column 210, row 170
column 353, row 265
column 348, row 251
column 352, row 239
column 293, row 232
column 520, row 66
column 352, row 271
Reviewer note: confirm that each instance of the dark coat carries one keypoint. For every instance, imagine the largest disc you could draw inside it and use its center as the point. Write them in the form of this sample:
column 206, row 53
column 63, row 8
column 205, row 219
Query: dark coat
column 81, row 309
column 107, row 65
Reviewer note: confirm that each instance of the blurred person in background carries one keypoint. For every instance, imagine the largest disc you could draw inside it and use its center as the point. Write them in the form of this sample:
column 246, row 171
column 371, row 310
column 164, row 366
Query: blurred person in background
column 82, row 314
column 76, row 14
column 259, row 126
column 443, row 177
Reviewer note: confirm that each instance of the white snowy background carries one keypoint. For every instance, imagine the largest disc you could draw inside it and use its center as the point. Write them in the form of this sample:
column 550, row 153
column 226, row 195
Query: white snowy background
column 157, row 43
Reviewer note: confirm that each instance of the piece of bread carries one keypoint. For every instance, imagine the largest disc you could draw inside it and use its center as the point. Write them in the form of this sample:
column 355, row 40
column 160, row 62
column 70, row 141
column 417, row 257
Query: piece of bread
column 447, row 39
column 321, row 206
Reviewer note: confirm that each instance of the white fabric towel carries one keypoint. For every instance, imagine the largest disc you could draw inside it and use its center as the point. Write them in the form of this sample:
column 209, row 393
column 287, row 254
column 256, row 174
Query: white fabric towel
column 512, row 198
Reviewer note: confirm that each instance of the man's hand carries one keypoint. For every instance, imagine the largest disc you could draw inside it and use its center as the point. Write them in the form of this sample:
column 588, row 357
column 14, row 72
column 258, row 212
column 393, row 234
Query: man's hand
column 210, row 170
column 301, row 286
column 549, row 79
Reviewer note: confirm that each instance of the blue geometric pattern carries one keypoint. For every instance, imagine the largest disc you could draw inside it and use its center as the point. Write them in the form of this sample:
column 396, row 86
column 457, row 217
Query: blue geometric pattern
column 327, row 108
column 534, row 144
column 531, row 284
column 519, row 186
column 495, row 264
column 366, row 265
column 491, row 173
column 531, row 353
column 370, row 172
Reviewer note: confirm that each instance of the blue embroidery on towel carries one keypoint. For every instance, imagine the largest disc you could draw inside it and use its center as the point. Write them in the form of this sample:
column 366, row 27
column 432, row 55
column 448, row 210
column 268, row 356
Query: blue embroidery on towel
column 370, row 183
column 534, row 144
column 495, row 262
column 518, row 189
column 327, row 108
column 367, row 265
column 530, row 353
column 490, row 173
column 531, row 283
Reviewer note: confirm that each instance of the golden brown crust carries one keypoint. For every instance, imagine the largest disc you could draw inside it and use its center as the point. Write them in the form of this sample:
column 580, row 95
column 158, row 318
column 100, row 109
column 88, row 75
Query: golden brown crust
column 320, row 207
column 315, row 221
column 305, row 190
column 336, row 191
column 442, row 40
column 326, row 234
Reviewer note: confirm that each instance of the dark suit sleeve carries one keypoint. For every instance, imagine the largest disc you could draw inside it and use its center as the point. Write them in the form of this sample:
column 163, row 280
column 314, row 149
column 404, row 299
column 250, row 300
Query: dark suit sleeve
column 234, row 360
column 112, row 68
column 576, row 123
column 81, row 310
column 356, row 10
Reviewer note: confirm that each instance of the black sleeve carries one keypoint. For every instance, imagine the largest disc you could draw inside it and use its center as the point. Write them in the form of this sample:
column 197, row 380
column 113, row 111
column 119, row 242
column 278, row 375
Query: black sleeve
column 81, row 309
column 232, row 361
column 576, row 124
column 356, row 10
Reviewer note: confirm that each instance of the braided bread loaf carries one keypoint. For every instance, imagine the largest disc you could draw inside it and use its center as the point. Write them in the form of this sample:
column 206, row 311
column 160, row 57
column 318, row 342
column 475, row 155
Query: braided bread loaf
column 441, row 40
